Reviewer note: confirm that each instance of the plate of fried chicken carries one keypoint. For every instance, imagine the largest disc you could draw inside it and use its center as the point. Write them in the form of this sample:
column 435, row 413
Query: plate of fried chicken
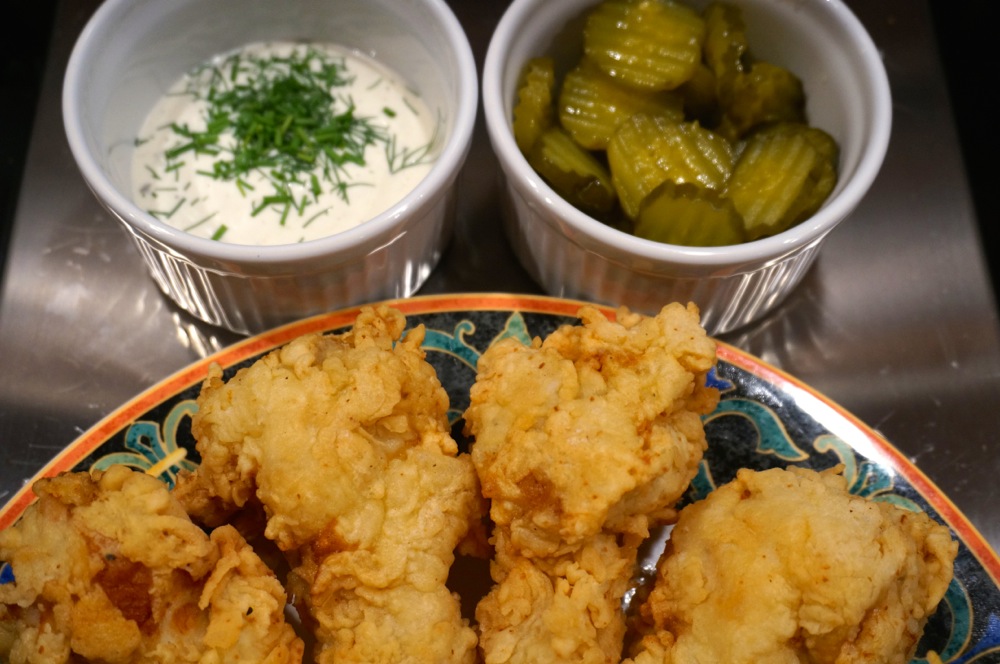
column 489, row 478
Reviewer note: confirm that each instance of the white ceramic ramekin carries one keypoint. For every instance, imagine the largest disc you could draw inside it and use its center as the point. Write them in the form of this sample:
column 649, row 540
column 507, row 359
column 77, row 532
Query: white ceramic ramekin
column 573, row 255
column 131, row 51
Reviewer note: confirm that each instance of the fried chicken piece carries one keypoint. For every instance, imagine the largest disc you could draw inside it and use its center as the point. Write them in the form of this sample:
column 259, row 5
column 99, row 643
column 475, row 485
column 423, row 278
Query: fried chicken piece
column 596, row 428
column 583, row 442
column 788, row 566
column 344, row 441
column 383, row 598
column 560, row 609
column 109, row 568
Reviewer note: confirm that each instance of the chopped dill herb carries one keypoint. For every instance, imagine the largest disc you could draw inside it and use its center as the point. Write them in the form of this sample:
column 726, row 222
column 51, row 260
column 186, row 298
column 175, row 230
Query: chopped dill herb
column 200, row 221
column 159, row 214
column 279, row 128
column 279, row 116
column 315, row 216
column 400, row 158
column 410, row 106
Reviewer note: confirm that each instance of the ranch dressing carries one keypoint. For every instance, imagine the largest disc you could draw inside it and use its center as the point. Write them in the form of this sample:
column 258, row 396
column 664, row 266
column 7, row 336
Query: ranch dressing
column 264, row 102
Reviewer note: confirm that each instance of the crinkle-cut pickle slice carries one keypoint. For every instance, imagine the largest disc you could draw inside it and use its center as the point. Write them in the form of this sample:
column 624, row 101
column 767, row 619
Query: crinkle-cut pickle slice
column 646, row 44
column 725, row 47
column 750, row 93
column 592, row 104
column 648, row 150
column 573, row 172
column 534, row 110
column 824, row 176
column 782, row 177
column 765, row 94
column 690, row 216
column 699, row 97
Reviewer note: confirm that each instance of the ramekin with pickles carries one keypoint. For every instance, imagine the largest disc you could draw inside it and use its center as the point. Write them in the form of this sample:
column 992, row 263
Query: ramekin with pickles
column 667, row 127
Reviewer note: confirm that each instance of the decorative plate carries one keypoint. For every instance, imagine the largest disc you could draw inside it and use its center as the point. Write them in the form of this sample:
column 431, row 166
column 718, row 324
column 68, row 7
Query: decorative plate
column 764, row 419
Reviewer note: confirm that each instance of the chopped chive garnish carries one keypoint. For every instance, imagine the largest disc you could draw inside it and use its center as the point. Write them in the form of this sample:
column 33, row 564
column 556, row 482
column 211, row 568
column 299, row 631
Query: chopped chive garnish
column 219, row 232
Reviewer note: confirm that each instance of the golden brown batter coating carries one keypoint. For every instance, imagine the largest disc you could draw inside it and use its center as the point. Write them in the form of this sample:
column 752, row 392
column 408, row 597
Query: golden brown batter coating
column 110, row 568
column 788, row 566
column 345, row 443
column 583, row 442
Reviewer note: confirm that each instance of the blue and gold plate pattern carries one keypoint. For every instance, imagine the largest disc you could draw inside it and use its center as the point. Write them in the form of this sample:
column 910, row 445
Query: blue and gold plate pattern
column 765, row 419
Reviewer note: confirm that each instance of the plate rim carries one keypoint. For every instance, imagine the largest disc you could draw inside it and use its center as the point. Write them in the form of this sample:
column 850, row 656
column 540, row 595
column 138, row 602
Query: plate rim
column 195, row 372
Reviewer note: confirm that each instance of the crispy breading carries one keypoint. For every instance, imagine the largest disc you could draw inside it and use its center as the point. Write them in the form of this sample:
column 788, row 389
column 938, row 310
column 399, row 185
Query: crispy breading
column 333, row 455
column 384, row 599
column 110, row 568
column 595, row 428
column 582, row 442
column 344, row 441
column 557, row 609
column 788, row 566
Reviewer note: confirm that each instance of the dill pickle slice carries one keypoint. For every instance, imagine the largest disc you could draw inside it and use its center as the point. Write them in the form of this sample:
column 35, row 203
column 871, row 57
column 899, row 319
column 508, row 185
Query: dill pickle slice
column 823, row 177
column 766, row 93
column 725, row 48
column 647, row 44
column 573, row 172
column 592, row 104
column 534, row 111
column 751, row 93
column 782, row 177
column 690, row 216
column 699, row 97
column 647, row 150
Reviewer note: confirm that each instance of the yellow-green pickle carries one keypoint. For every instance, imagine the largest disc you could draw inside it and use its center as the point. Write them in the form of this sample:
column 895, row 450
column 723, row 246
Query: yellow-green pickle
column 668, row 127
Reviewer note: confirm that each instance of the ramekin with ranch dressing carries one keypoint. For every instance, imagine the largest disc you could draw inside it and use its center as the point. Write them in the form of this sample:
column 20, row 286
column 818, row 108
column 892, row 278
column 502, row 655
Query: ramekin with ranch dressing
column 132, row 51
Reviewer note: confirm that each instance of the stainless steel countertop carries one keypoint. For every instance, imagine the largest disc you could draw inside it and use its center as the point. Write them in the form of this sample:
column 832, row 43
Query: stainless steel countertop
column 896, row 322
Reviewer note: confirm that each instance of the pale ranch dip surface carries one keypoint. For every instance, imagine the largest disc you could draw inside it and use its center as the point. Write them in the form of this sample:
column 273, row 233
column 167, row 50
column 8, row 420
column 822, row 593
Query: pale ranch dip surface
column 282, row 142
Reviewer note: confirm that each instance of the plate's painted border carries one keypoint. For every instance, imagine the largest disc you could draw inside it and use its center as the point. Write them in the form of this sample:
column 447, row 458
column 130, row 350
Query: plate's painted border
column 840, row 422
